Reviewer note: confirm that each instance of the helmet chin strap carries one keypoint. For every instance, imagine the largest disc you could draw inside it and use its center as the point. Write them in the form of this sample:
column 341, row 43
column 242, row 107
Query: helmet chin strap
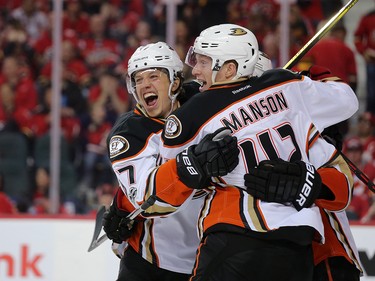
column 172, row 97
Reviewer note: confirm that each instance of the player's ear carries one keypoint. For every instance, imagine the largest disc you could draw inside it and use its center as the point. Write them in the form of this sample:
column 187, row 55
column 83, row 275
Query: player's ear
column 231, row 69
column 176, row 84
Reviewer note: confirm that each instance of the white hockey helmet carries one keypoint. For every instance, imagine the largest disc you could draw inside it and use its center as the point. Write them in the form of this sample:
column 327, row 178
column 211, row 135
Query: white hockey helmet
column 264, row 63
column 153, row 55
column 225, row 42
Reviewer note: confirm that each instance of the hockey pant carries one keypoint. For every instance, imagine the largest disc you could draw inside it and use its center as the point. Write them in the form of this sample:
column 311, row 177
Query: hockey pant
column 224, row 256
column 336, row 269
column 135, row 268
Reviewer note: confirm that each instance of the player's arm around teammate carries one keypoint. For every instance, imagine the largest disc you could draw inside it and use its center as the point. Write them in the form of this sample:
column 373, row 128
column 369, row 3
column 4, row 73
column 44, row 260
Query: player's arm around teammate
column 160, row 248
column 277, row 115
column 337, row 259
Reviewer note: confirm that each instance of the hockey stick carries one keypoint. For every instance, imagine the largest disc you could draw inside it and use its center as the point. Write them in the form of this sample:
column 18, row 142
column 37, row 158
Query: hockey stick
column 96, row 242
column 98, row 225
column 362, row 176
column 323, row 31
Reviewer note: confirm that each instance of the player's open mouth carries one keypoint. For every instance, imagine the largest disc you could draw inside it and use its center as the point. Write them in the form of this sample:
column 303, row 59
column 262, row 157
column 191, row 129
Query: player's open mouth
column 202, row 83
column 150, row 99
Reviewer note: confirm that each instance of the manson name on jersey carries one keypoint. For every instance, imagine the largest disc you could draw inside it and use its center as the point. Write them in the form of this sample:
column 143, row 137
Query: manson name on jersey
column 256, row 111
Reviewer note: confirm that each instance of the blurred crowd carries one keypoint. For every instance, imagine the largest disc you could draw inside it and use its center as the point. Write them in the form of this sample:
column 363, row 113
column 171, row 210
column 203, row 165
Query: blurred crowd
column 98, row 37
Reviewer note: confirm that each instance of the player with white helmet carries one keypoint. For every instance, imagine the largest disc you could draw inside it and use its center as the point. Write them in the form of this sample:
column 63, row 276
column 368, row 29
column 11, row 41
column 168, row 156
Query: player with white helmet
column 270, row 213
column 223, row 43
column 160, row 248
column 149, row 62
column 338, row 258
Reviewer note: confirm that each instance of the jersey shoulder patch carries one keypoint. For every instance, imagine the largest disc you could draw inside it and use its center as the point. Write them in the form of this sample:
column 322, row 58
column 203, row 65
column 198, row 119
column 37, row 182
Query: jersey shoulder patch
column 130, row 135
column 173, row 127
column 118, row 145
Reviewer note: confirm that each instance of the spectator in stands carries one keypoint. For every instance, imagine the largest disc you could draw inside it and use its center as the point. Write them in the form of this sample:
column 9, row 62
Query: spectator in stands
column 182, row 44
column 17, row 76
column 141, row 36
column 365, row 132
column 6, row 205
column 360, row 202
column 41, row 121
column 34, row 20
column 122, row 18
column 75, row 19
column 12, row 117
column 41, row 203
column 99, row 50
column 74, row 68
column 312, row 10
column 300, row 29
column 43, row 46
column 262, row 18
column 364, row 40
column 332, row 52
column 96, row 165
column 110, row 93
column 14, row 42
column 370, row 215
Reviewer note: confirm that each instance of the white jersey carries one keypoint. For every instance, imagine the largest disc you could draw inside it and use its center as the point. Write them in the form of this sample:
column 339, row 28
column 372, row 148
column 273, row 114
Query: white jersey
column 168, row 242
column 278, row 115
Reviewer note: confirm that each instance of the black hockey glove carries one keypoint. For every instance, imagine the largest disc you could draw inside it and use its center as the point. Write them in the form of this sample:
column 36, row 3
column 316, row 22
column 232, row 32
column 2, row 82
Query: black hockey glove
column 115, row 224
column 215, row 155
column 281, row 182
column 333, row 135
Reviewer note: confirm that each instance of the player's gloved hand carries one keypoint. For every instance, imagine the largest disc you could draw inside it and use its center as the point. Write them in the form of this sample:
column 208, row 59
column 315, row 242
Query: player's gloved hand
column 281, row 182
column 215, row 155
column 321, row 73
column 115, row 224
column 333, row 135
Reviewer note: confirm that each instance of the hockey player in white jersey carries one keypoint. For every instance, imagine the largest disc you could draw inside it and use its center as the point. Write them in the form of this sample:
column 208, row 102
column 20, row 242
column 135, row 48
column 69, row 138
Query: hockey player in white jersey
column 161, row 248
column 338, row 258
column 277, row 119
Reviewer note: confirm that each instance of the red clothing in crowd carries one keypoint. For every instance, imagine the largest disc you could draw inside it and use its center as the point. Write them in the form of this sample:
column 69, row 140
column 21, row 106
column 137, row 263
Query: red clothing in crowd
column 25, row 91
column 97, row 134
column 6, row 206
column 70, row 126
column 75, row 71
column 361, row 199
column 44, row 43
column 313, row 11
column 22, row 117
column 96, row 52
column 336, row 56
column 79, row 25
column 364, row 35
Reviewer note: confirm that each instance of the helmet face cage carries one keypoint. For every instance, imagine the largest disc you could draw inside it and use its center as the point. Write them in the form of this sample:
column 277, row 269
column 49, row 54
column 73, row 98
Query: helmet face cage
column 226, row 42
column 155, row 55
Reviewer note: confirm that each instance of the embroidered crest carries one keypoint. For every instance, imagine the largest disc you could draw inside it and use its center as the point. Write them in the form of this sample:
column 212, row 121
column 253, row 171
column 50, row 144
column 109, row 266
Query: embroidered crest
column 237, row 31
column 172, row 127
column 117, row 145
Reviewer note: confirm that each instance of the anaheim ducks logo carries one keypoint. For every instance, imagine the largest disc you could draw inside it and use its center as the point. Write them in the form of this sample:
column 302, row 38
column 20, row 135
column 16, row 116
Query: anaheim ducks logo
column 238, row 31
column 117, row 145
column 173, row 127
